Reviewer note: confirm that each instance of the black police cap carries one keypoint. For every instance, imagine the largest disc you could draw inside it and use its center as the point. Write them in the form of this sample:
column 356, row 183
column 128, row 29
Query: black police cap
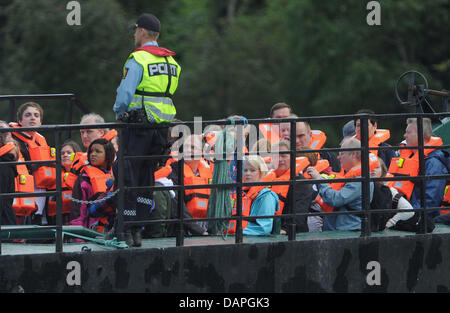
column 147, row 21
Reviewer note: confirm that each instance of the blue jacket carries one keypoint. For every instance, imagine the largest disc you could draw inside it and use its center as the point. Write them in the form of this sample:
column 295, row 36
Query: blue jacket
column 265, row 203
column 129, row 83
column 347, row 197
column 436, row 163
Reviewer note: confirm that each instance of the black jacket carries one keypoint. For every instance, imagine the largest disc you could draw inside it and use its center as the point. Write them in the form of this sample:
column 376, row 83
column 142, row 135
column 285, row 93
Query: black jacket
column 7, row 176
column 302, row 198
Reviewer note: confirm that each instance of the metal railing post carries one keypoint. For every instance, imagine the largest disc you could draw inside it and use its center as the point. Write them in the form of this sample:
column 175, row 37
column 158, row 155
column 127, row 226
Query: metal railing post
column 12, row 108
column 121, row 201
column 180, row 232
column 423, row 203
column 365, row 188
column 292, row 229
column 239, row 158
column 59, row 219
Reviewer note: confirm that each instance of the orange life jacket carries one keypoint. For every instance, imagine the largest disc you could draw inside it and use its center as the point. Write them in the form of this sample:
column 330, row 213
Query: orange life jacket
column 282, row 190
column 248, row 195
column 446, row 199
column 97, row 178
column 44, row 176
column 380, row 136
column 355, row 171
column 320, row 166
column 23, row 183
column 67, row 181
column 408, row 165
column 197, row 199
column 269, row 133
column 318, row 139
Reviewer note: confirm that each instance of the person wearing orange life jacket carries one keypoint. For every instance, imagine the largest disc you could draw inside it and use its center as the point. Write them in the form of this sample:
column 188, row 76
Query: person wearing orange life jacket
column 436, row 163
column 377, row 137
column 271, row 131
column 8, row 153
column 197, row 171
column 68, row 178
column 347, row 197
column 303, row 195
column 315, row 139
column 24, row 182
column 263, row 147
column 34, row 147
column 92, row 183
column 89, row 135
column 257, row 200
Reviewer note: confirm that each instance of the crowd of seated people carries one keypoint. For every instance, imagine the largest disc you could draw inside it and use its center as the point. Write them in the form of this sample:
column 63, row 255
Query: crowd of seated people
column 87, row 177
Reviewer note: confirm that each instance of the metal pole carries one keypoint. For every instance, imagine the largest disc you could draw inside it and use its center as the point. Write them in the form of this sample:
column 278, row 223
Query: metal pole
column 59, row 244
column 423, row 203
column 239, row 149
column 180, row 232
column 12, row 108
column 291, row 191
column 69, row 116
column 121, row 202
column 365, row 190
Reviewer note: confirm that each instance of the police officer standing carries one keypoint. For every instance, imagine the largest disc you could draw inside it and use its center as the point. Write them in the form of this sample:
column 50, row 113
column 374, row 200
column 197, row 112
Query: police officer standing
column 150, row 78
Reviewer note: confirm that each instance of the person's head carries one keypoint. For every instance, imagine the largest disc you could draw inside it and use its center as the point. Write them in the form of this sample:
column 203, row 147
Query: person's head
column 349, row 129
column 147, row 28
column 285, row 128
column 380, row 170
column 280, row 110
column 30, row 114
column 89, row 135
column 411, row 131
column 3, row 124
column 303, row 135
column 312, row 156
column 67, row 148
column 261, row 146
column 246, row 129
column 101, row 153
column 193, row 145
column 281, row 161
column 348, row 159
column 254, row 169
column 372, row 124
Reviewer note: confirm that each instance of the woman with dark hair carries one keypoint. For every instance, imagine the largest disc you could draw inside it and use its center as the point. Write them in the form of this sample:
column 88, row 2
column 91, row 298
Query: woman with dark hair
column 68, row 178
column 93, row 182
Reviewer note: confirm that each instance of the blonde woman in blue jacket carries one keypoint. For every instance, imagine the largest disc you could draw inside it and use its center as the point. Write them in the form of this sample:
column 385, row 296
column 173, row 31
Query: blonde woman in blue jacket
column 263, row 200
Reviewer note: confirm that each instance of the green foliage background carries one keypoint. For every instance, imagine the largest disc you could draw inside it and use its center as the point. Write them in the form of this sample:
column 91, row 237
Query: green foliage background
column 238, row 56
